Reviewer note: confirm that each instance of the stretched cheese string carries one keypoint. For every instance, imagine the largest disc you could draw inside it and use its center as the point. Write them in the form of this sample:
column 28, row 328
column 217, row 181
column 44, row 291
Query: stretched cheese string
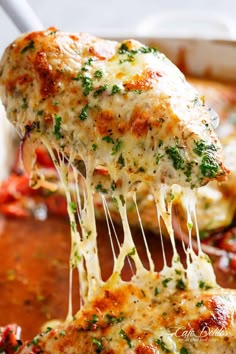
column 84, row 250
column 150, row 261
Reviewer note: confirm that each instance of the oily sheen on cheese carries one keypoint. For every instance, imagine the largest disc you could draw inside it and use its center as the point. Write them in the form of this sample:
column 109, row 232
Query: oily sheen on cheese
column 113, row 115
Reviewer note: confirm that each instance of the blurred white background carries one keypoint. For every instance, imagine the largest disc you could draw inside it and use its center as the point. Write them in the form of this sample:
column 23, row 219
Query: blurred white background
column 131, row 17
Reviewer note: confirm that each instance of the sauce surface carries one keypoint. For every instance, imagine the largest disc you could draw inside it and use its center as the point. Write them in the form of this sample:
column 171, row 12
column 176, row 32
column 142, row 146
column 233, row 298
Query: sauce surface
column 34, row 269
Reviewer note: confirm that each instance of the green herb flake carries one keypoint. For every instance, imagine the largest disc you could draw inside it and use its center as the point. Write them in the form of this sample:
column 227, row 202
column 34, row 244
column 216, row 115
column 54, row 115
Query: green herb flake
column 121, row 161
column 94, row 319
column 183, row 350
column 73, row 226
column 116, row 147
column 57, row 127
column 99, row 188
column 112, row 319
column 84, row 114
column 166, row 281
column 73, row 207
column 108, row 139
column 157, row 291
column 123, row 49
column 98, row 343
column 24, row 103
column 87, row 84
column 177, row 271
column 94, row 147
column 162, row 344
column 124, row 336
column 174, row 155
column 180, row 284
column 190, row 225
column 199, row 304
column 35, row 340
column 203, row 285
column 122, row 199
column 100, row 90
column 62, row 333
column 158, row 157
column 209, row 166
column 147, row 50
column 30, row 46
column 98, row 74
column 78, row 77
column 40, row 112
column 115, row 89
column 132, row 252
column 86, row 64
column 201, row 147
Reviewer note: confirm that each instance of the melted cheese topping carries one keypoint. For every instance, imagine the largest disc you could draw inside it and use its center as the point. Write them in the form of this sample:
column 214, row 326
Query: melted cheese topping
column 129, row 118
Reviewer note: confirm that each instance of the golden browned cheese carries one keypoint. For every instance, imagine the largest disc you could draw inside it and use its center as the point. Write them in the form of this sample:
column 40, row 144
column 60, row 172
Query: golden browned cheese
column 130, row 116
column 134, row 319
column 123, row 106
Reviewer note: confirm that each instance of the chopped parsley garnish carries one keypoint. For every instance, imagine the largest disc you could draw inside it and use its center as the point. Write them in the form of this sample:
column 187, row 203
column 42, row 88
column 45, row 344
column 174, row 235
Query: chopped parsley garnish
column 116, row 147
column 124, row 336
column 73, row 207
column 35, row 340
column 86, row 64
column 57, row 127
column 174, row 155
column 100, row 90
column 121, row 161
column 199, row 303
column 203, row 285
column 157, row 291
column 122, row 199
column 94, row 147
column 180, row 284
column 99, row 188
column 132, row 252
column 84, row 114
column 113, row 185
column 30, row 46
column 115, row 89
column 138, row 92
column 183, row 350
column 166, row 281
column 98, row 343
column 188, row 170
column 162, row 344
column 24, row 103
column 209, row 166
column 40, row 112
column 123, row 48
column 112, row 319
column 62, row 333
column 158, row 157
column 98, row 74
column 87, row 84
column 201, row 147
column 108, row 139
column 145, row 50
column 94, row 319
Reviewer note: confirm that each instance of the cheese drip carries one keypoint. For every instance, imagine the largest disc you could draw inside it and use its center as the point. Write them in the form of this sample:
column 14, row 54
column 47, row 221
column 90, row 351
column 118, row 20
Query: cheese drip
column 84, row 248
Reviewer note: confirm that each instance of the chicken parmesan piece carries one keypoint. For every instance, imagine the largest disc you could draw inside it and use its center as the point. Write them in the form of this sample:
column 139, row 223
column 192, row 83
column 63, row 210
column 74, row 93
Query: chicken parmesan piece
column 115, row 114
column 146, row 318
column 122, row 106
